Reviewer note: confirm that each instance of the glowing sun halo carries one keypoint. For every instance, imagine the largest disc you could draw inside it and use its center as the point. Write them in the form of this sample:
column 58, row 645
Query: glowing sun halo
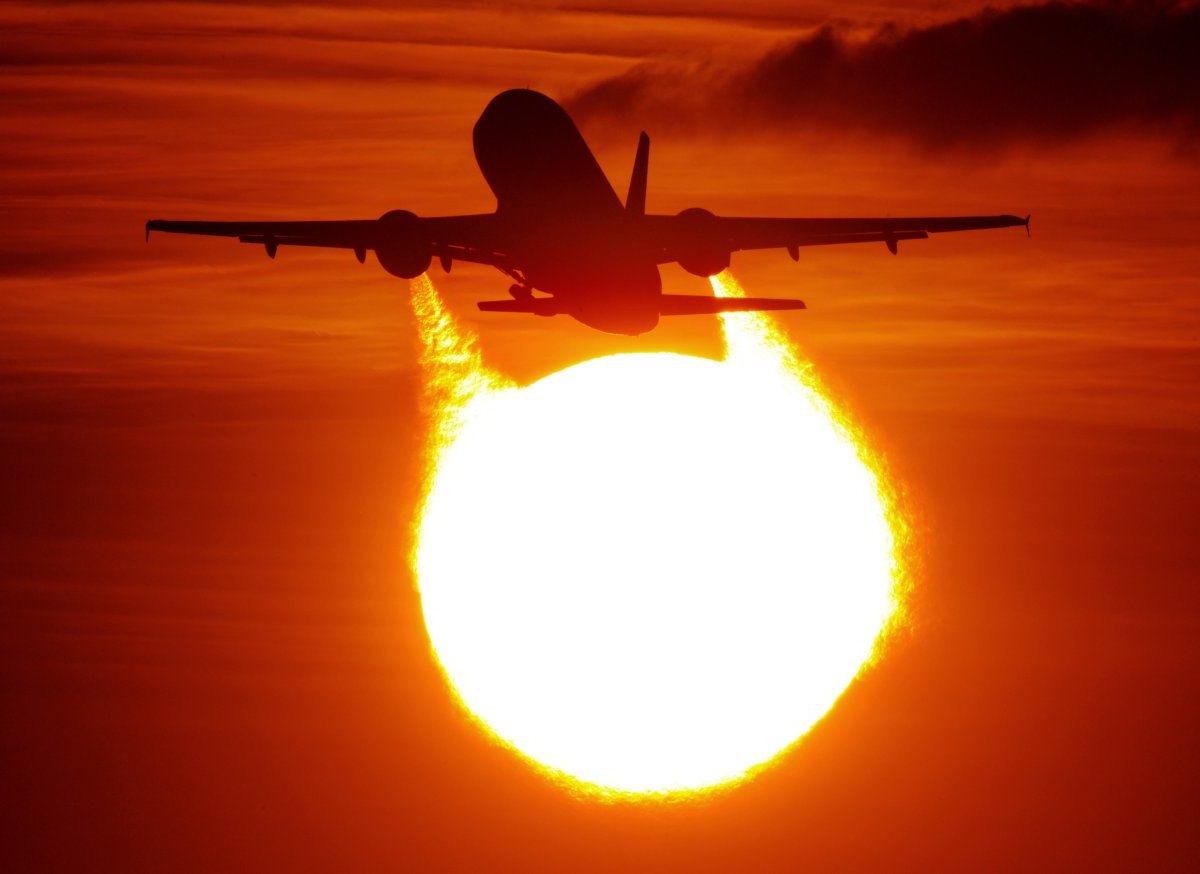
column 649, row 573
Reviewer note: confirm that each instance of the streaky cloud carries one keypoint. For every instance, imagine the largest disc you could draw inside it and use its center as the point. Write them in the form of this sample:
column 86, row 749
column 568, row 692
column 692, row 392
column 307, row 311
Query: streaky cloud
column 1050, row 72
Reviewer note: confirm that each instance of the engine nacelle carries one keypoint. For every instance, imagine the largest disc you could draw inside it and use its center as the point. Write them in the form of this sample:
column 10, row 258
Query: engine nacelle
column 402, row 247
column 704, row 253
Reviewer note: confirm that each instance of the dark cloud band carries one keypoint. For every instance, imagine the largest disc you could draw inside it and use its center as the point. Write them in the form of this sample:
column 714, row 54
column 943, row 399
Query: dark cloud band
column 1047, row 72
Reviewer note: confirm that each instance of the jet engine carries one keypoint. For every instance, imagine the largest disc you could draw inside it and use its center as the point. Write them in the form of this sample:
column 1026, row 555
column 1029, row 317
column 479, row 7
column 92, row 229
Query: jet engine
column 703, row 253
column 402, row 249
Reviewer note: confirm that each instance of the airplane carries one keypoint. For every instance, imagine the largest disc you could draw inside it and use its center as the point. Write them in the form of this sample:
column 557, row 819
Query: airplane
column 560, row 230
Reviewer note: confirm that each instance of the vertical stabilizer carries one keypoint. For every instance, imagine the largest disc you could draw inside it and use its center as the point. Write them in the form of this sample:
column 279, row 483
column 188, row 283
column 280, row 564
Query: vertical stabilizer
column 635, row 202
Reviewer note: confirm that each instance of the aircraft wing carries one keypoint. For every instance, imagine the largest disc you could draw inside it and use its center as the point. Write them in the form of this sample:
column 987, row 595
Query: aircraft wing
column 475, row 238
column 679, row 234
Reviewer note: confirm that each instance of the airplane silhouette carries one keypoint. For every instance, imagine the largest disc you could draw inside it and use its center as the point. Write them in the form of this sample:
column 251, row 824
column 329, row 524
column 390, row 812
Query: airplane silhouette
column 559, row 228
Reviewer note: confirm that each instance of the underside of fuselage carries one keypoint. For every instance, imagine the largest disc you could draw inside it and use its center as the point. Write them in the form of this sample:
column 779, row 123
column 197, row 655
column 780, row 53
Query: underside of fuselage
column 568, row 231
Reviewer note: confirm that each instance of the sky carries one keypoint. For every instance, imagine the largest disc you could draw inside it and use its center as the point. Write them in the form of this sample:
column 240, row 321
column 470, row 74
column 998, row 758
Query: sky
column 212, row 650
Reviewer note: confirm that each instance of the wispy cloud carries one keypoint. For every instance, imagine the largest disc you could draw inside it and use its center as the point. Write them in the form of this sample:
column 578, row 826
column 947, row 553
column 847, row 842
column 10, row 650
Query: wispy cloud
column 1047, row 72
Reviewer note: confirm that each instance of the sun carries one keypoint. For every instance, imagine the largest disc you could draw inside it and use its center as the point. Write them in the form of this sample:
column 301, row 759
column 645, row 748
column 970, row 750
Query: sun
column 649, row 573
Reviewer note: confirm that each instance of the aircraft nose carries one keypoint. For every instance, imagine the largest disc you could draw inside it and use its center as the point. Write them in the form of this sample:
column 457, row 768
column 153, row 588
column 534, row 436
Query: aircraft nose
column 517, row 100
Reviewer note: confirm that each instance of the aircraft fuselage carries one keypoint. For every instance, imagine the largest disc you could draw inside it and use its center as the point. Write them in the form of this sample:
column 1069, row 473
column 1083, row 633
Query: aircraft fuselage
column 564, row 223
column 560, row 229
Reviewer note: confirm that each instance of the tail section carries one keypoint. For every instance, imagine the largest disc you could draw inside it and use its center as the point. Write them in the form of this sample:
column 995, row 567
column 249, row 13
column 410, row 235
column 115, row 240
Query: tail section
column 700, row 304
column 538, row 306
column 669, row 305
column 635, row 202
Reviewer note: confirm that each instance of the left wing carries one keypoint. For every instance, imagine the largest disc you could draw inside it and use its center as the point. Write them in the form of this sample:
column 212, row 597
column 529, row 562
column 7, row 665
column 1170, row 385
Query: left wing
column 673, row 235
column 475, row 238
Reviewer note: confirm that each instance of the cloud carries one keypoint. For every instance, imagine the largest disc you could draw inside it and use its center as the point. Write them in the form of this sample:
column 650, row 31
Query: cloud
column 1050, row 72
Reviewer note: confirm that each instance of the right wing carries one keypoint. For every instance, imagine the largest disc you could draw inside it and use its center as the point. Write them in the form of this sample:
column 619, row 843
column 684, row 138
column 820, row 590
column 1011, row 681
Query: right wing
column 676, row 234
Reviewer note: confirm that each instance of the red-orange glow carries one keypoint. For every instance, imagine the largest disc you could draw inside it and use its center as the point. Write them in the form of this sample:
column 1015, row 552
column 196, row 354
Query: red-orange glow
column 212, row 653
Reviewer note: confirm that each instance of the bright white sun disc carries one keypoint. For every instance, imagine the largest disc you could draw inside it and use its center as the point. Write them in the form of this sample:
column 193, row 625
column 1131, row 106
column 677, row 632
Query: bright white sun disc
column 653, row 572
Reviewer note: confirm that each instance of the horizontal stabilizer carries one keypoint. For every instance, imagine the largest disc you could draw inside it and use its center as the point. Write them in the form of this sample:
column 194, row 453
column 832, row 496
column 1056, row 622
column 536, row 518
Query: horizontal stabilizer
column 539, row 306
column 700, row 304
column 669, row 305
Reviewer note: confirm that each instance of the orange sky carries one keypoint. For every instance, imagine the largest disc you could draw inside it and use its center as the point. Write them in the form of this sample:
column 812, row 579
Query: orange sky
column 212, row 654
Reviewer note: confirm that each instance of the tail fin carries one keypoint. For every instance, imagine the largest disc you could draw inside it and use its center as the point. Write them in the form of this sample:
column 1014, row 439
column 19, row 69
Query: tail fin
column 669, row 305
column 635, row 202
